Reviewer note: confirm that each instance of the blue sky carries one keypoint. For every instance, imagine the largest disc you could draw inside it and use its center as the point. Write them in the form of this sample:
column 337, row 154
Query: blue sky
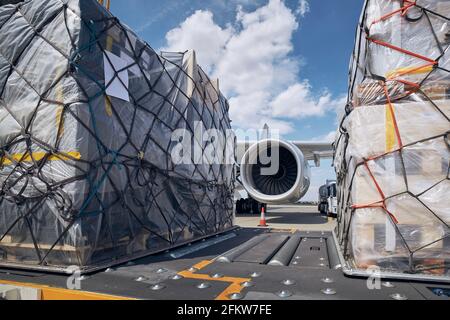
column 297, row 79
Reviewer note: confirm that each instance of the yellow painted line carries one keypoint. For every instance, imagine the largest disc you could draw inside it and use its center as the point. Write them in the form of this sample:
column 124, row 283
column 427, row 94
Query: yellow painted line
column 36, row 156
column 52, row 293
column 198, row 276
column 203, row 264
column 276, row 230
column 234, row 287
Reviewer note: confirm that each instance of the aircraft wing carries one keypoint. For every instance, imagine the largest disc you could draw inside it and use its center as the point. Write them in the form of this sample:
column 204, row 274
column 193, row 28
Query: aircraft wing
column 312, row 150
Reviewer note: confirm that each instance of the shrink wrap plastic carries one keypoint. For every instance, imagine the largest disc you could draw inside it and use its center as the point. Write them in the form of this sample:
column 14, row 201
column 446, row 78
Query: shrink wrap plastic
column 392, row 154
column 87, row 117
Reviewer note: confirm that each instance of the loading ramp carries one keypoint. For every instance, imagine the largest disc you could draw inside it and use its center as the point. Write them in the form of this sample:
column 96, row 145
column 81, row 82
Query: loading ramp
column 246, row 263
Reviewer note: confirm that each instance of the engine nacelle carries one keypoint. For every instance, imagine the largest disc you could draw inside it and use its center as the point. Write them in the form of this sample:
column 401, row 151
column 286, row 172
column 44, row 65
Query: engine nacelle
column 285, row 179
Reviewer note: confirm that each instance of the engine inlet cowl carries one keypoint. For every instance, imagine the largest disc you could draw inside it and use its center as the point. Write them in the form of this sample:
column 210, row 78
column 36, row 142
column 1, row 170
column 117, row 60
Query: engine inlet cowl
column 275, row 171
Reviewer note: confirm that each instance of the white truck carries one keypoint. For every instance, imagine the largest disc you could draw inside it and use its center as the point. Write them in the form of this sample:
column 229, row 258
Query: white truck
column 328, row 199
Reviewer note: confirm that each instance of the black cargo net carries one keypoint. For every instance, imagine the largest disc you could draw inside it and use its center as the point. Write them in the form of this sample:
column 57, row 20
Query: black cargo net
column 87, row 118
column 394, row 203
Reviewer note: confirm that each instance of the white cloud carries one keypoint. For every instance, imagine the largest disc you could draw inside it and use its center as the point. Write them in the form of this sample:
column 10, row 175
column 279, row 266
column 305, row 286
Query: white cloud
column 297, row 101
column 303, row 7
column 201, row 33
column 329, row 137
column 252, row 57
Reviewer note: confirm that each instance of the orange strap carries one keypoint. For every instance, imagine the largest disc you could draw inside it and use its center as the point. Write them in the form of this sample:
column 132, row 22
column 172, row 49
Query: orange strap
column 413, row 54
column 374, row 180
column 416, row 86
column 403, row 10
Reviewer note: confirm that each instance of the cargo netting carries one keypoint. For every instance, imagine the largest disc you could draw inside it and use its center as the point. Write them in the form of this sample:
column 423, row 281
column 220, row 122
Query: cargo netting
column 91, row 124
column 392, row 149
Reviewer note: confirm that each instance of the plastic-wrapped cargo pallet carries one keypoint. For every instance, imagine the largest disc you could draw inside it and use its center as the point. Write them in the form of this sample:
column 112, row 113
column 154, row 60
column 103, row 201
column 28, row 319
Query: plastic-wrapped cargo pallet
column 392, row 150
column 88, row 116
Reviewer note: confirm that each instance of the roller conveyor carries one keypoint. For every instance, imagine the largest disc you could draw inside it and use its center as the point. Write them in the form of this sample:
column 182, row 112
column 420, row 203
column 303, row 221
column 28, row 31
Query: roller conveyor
column 236, row 265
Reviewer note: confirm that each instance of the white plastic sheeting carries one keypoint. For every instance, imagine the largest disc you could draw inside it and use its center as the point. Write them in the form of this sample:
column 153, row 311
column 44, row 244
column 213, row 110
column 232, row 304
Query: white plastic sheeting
column 87, row 114
column 393, row 154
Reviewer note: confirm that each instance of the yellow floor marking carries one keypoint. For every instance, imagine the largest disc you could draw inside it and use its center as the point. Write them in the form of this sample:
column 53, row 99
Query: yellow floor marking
column 52, row 293
column 234, row 287
column 276, row 230
column 203, row 264
column 191, row 275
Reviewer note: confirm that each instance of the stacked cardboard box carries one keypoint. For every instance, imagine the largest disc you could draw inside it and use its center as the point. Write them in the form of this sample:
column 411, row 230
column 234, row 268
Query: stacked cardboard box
column 393, row 153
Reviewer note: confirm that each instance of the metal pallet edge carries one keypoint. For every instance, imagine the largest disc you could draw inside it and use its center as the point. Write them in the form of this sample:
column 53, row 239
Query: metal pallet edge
column 69, row 270
column 360, row 273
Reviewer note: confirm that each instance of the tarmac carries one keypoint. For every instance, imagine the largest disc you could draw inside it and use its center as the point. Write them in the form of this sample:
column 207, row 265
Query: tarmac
column 299, row 217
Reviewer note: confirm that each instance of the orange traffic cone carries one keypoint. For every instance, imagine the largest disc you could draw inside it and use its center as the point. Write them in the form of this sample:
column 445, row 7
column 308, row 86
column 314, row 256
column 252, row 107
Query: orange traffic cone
column 262, row 221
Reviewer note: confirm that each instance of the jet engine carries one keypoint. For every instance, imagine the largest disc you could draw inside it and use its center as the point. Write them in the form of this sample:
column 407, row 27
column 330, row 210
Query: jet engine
column 275, row 172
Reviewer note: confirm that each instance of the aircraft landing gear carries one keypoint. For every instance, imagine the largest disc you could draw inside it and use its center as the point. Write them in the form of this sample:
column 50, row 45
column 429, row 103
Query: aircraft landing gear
column 249, row 205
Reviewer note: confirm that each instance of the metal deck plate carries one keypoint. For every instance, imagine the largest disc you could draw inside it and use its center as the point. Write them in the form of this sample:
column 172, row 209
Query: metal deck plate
column 263, row 251
column 307, row 280
column 312, row 252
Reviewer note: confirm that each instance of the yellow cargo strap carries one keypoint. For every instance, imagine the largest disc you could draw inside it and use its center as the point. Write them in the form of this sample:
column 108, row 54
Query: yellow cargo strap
column 37, row 156
column 390, row 131
column 108, row 107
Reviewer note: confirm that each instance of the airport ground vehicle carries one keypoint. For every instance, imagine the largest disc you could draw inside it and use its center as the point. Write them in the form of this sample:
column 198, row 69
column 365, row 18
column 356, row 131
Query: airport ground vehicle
column 328, row 199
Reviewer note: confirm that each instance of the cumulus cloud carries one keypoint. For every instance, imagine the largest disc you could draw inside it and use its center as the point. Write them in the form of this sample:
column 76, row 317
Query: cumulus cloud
column 297, row 101
column 252, row 57
column 201, row 33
